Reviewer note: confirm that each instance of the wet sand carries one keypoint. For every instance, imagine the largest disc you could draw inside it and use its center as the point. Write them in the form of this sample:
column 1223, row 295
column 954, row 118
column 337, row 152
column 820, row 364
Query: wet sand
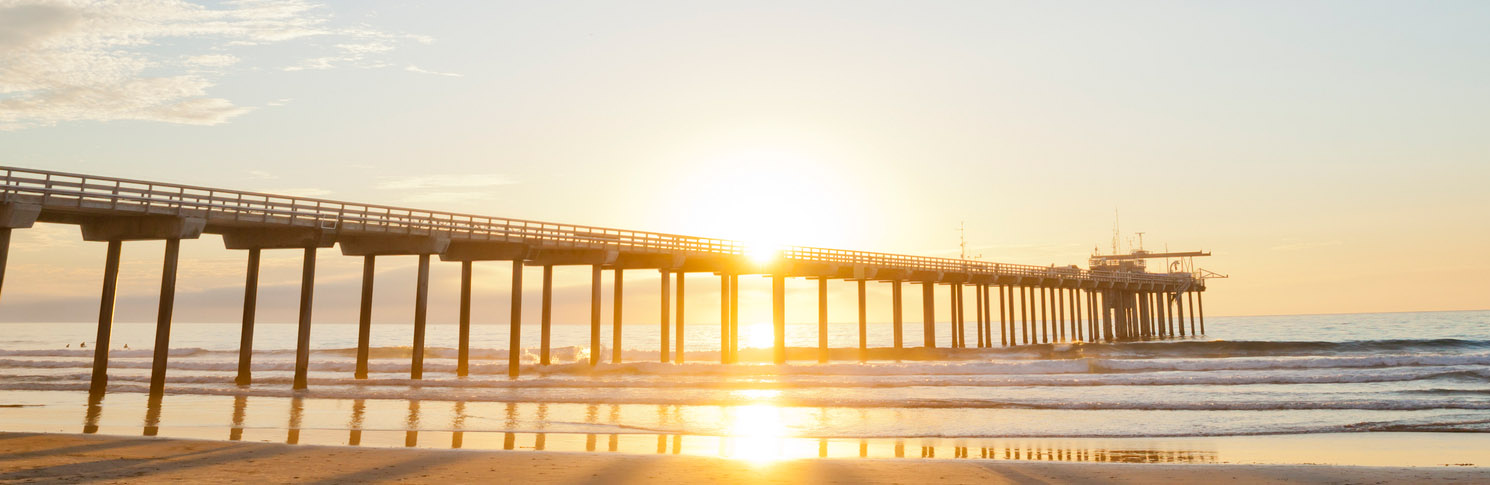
column 45, row 457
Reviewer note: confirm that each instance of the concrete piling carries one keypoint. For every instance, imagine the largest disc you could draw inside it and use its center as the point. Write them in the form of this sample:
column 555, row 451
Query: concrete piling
column 302, row 337
column 246, row 334
column 100, row 377
column 421, row 315
column 545, row 314
column 514, row 322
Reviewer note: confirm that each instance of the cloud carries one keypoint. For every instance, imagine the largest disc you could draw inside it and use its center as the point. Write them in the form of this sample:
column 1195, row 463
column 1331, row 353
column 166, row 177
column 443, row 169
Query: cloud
column 259, row 175
column 413, row 68
column 310, row 192
column 445, row 188
column 102, row 61
column 444, row 181
column 211, row 60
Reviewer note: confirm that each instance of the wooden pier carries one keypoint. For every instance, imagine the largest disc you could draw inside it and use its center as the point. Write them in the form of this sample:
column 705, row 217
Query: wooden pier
column 1034, row 304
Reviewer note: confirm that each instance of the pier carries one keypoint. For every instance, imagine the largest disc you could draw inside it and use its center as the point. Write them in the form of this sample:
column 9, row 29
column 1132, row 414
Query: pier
column 1114, row 301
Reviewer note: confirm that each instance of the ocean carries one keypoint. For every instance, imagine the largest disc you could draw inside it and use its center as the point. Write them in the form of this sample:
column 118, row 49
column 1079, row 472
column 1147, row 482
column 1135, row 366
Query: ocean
column 1355, row 379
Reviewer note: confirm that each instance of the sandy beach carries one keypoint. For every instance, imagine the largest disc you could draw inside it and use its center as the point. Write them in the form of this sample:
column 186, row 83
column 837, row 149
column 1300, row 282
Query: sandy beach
column 36, row 457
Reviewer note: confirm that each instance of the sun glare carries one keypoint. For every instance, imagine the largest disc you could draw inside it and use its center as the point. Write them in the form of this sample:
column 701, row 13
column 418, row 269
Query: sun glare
column 762, row 252
column 756, row 433
column 767, row 199
column 759, row 335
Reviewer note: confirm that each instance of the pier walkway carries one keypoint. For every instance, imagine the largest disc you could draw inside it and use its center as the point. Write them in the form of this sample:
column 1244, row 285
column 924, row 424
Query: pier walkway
column 1034, row 304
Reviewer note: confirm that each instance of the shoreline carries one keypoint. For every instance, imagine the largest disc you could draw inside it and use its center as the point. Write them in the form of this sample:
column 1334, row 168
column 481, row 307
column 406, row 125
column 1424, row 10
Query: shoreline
column 78, row 458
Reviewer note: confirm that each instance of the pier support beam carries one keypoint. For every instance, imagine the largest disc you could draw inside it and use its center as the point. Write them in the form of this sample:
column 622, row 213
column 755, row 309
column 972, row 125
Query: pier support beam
column 896, row 316
column 678, row 354
column 928, row 314
column 515, row 327
column 1003, row 316
column 1106, row 317
column 615, row 336
column 822, row 320
column 724, row 354
column 956, row 316
column 667, row 311
column 734, row 318
column 545, row 314
column 1191, row 296
column 302, row 335
column 1200, row 303
column 463, row 345
column 1179, row 311
column 1024, row 313
column 250, row 307
column 1060, row 313
column 364, row 316
column 595, row 315
column 778, row 317
column 100, row 378
column 421, row 315
column 863, row 324
column 980, row 301
column 163, row 317
column 1044, row 316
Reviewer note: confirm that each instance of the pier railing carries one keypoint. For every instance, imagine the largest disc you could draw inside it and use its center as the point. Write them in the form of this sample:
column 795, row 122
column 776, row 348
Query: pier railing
column 89, row 192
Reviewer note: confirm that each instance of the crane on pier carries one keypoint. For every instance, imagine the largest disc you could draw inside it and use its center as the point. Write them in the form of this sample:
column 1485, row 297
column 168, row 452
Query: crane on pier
column 1135, row 261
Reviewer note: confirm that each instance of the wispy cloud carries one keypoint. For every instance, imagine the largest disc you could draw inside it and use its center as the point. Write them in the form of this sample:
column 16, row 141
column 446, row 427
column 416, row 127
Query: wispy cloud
column 444, row 181
column 442, row 189
column 420, row 70
column 66, row 61
column 312, row 192
column 258, row 175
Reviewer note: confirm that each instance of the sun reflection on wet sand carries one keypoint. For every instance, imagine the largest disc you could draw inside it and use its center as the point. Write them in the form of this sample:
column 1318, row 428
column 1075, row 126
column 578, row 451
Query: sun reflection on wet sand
column 761, row 433
column 755, row 434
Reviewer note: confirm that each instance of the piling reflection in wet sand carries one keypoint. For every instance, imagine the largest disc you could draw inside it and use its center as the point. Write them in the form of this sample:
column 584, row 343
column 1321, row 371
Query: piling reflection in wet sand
column 240, row 402
column 152, row 415
column 756, row 433
column 95, row 408
column 359, row 408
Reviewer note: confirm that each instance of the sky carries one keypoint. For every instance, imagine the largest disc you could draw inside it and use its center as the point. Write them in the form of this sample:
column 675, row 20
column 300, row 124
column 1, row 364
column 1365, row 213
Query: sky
column 1332, row 155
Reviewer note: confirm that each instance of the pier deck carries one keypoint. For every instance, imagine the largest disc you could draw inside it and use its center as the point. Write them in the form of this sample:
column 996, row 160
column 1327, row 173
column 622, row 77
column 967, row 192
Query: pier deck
column 1035, row 304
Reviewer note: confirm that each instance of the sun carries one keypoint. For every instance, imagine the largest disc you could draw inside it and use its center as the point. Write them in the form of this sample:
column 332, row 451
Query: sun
column 763, row 251
column 759, row 335
column 766, row 200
